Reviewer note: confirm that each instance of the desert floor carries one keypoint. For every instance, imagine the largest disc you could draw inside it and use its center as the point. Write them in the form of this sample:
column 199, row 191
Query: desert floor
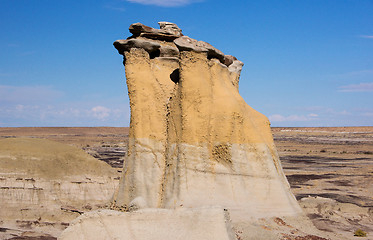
column 330, row 169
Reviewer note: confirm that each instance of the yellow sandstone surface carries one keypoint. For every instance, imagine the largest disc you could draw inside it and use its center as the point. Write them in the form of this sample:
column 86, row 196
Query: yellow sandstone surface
column 194, row 142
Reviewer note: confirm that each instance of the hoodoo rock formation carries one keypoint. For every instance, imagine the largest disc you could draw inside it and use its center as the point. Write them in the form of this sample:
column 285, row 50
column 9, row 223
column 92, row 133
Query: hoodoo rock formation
column 201, row 163
column 194, row 142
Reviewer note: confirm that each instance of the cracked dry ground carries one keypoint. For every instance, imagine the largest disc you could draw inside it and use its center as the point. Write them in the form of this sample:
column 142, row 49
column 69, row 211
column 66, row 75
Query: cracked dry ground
column 330, row 170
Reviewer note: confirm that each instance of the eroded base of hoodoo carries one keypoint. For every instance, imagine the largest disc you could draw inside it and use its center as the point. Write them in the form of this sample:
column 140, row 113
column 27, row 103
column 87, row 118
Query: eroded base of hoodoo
column 188, row 223
column 152, row 224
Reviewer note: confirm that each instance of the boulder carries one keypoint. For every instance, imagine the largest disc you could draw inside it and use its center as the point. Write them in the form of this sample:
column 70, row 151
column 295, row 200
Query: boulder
column 168, row 31
column 211, row 51
column 137, row 28
column 125, row 45
column 186, row 43
column 171, row 28
column 236, row 66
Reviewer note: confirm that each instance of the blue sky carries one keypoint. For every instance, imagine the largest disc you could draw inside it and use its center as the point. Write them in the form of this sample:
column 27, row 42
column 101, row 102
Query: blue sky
column 307, row 62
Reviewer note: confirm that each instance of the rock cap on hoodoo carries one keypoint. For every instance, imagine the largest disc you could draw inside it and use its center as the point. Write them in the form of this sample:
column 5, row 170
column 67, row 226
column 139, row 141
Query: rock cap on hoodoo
column 168, row 41
column 171, row 28
column 168, row 31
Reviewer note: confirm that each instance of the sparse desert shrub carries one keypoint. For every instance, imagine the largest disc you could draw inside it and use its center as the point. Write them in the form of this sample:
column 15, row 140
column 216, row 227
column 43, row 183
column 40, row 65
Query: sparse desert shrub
column 360, row 233
column 323, row 150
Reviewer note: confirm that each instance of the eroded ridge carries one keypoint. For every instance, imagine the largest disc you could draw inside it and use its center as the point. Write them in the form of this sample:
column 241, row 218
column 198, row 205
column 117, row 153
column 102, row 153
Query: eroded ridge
column 193, row 140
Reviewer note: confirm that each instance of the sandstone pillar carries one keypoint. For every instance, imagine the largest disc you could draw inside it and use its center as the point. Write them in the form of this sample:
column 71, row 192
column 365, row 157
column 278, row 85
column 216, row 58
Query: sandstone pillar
column 194, row 142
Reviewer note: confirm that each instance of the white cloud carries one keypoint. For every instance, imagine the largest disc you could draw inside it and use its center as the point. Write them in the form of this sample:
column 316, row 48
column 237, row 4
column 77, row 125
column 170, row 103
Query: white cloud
column 281, row 118
column 20, row 107
column 344, row 112
column 45, row 106
column 165, row 3
column 367, row 114
column 310, row 108
column 292, row 118
column 367, row 36
column 101, row 112
column 277, row 118
column 27, row 94
column 322, row 111
column 361, row 73
column 361, row 87
column 73, row 114
column 356, row 76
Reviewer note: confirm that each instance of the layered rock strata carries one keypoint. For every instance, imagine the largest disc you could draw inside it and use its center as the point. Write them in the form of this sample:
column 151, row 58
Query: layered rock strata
column 44, row 185
column 193, row 140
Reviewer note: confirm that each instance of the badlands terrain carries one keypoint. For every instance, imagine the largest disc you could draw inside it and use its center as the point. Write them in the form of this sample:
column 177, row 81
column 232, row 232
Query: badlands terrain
column 330, row 171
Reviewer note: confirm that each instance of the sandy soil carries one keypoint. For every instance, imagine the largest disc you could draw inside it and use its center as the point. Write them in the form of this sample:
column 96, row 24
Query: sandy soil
column 330, row 170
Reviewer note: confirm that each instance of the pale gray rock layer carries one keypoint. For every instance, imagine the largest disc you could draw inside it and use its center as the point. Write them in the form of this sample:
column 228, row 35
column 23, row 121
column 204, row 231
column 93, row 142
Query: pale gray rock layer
column 152, row 224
